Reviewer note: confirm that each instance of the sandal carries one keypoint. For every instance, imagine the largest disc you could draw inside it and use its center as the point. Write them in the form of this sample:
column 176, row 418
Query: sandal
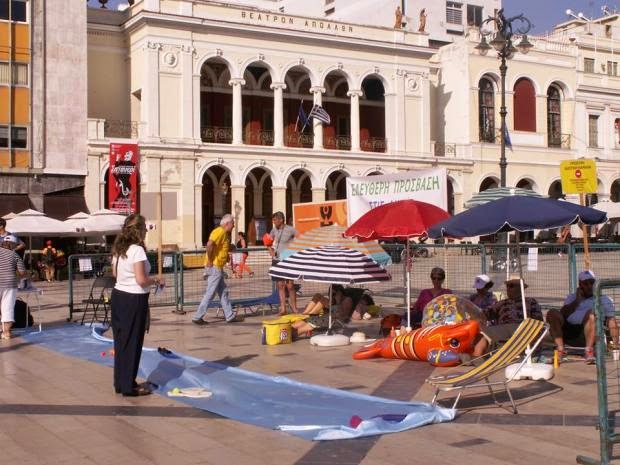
column 138, row 391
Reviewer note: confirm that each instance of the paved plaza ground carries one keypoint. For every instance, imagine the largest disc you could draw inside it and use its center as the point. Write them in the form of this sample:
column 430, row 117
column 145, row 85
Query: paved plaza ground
column 60, row 410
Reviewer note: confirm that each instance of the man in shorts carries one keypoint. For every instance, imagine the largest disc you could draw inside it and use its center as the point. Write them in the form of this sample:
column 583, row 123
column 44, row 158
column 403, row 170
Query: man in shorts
column 282, row 234
column 505, row 316
column 575, row 321
column 11, row 267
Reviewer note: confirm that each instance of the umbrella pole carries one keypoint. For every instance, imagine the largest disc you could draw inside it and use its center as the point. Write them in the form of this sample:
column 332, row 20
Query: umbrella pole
column 408, row 274
column 329, row 327
column 522, row 287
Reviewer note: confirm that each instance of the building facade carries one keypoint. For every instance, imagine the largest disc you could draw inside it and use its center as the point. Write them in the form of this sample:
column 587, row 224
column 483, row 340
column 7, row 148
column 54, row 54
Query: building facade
column 212, row 94
column 42, row 106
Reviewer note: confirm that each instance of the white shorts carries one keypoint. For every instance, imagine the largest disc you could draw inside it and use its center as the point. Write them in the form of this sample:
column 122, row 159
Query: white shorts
column 7, row 304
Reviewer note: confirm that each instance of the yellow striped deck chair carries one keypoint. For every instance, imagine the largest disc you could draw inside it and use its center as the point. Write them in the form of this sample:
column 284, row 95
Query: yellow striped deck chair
column 530, row 333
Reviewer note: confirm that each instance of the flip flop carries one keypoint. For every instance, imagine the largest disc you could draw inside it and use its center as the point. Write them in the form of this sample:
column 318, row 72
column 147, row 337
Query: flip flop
column 192, row 392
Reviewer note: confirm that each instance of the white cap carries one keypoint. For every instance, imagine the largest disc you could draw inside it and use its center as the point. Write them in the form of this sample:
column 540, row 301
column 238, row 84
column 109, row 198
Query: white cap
column 481, row 281
column 11, row 238
column 586, row 275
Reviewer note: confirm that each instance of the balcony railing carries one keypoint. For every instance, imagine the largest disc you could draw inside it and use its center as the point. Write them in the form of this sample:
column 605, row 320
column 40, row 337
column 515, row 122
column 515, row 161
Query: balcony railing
column 560, row 141
column 258, row 137
column 216, row 134
column 300, row 140
column 120, row 128
column 338, row 143
column 374, row 144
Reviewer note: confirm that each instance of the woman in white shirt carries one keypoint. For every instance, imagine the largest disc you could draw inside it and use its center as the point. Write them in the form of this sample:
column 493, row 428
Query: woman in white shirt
column 130, row 304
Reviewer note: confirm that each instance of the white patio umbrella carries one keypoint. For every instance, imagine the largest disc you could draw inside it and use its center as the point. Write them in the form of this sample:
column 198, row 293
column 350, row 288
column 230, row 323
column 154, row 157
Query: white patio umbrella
column 333, row 265
column 8, row 216
column 34, row 223
column 76, row 221
column 103, row 222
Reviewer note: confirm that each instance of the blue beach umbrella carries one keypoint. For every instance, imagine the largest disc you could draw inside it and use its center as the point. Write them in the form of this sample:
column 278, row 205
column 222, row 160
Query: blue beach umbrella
column 515, row 213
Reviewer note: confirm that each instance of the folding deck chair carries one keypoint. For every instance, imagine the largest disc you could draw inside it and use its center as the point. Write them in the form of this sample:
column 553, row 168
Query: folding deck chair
column 99, row 298
column 529, row 333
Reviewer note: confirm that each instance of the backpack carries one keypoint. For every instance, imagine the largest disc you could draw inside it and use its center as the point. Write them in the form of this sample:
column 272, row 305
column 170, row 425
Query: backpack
column 21, row 313
column 49, row 256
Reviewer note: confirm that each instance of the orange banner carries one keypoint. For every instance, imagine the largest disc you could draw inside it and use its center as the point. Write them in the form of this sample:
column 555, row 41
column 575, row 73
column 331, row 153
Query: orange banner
column 307, row 216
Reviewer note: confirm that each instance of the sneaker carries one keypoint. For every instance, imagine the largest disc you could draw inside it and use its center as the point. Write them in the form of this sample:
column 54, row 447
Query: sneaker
column 589, row 356
column 200, row 322
column 235, row 319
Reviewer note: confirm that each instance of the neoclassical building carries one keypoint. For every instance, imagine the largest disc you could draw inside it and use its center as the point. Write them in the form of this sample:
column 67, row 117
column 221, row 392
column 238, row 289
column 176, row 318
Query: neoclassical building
column 212, row 94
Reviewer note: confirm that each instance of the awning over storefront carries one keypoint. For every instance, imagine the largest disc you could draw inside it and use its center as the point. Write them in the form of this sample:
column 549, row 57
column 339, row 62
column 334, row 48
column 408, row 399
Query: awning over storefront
column 14, row 203
column 62, row 204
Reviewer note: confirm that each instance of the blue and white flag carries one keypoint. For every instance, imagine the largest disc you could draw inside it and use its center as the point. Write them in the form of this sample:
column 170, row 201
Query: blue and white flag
column 506, row 136
column 319, row 113
column 301, row 117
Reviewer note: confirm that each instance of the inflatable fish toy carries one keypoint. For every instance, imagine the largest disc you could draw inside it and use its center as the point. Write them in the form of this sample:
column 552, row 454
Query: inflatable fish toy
column 449, row 340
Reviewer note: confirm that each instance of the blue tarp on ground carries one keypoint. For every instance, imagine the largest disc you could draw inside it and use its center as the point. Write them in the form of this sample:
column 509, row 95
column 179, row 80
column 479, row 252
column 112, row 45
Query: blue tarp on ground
column 275, row 402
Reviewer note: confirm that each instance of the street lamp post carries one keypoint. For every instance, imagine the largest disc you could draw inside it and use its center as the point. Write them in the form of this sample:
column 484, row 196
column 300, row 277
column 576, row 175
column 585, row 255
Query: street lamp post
column 503, row 31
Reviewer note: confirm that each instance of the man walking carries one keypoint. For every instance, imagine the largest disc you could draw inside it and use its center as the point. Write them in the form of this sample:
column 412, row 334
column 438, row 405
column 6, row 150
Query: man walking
column 282, row 234
column 216, row 258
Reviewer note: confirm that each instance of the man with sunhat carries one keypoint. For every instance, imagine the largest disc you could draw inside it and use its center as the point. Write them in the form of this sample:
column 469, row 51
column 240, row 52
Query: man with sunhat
column 505, row 316
column 575, row 321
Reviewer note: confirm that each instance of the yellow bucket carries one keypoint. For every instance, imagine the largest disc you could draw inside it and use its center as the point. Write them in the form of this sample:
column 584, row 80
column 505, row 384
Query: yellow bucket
column 276, row 332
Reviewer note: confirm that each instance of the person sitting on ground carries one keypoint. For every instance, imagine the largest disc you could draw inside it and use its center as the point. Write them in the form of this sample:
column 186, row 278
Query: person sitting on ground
column 505, row 316
column 364, row 307
column 483, row 298
column 342, row 307
column 438, row 276
column 575, row 321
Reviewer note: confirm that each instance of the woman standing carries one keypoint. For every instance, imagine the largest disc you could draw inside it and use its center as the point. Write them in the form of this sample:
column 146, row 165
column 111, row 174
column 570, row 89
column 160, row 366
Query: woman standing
column 242, row 266
column 130, row 304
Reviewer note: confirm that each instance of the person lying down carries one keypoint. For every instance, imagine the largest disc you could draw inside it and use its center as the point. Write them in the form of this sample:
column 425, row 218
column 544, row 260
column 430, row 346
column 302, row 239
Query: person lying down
column 317, row 308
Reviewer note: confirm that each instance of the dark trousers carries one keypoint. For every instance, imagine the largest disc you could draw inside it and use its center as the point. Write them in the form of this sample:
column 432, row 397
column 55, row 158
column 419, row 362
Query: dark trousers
column 129, row 314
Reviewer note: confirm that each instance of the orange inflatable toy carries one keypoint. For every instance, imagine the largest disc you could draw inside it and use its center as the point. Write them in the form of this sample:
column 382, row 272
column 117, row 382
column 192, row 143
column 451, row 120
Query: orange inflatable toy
column 267, row 240
column 442, row 342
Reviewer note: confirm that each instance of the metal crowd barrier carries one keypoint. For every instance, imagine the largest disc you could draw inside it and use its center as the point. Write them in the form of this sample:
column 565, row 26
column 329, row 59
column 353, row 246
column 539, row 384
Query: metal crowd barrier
column 84, row 268
column 608, row 378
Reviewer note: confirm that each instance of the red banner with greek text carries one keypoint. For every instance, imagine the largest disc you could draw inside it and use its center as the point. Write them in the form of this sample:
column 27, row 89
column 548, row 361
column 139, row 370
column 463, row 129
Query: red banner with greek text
column 123, row 178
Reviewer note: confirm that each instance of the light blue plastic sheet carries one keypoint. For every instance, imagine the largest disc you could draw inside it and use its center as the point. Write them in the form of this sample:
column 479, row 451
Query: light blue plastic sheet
column 275, row 402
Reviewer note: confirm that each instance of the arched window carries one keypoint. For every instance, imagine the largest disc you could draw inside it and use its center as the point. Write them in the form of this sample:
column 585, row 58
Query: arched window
column 524, row 106
column 486, row 110
column 554, row 120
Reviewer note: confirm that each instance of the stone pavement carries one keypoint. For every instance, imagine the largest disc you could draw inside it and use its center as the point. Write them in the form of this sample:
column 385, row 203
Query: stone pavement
column 59, row 410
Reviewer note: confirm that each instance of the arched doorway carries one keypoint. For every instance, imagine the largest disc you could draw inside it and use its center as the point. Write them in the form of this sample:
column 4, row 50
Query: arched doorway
column 257, row 105
column 258, row 204
column 215, row 102
column 336, row 186
column 614, row 194
column 298, row 190
column 297, row 95
column 372, row 115
column 555, row 190
column 216, row 199
column 337, row 135
column 488, row 183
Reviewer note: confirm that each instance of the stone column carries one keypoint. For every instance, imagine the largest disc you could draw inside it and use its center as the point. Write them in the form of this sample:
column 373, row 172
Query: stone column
column 150, row 91
column 237, row 110
column 316, row 124
column 238, row 208
column 198, row 219
column 318, row 194
column 258, row 202
column 187, row 98
column 278, row 198
column 355, row 119
column 278, row 114
column 196, row 109
column 295, row 195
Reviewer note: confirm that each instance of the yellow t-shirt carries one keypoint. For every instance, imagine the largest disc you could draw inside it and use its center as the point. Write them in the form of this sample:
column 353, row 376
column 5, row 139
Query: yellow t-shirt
column 222, row 245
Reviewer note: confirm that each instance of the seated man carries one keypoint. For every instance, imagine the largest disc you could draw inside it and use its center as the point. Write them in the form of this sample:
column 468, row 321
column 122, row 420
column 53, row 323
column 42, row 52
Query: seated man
column 505, row 316
column 575, row 321
column 342, row 307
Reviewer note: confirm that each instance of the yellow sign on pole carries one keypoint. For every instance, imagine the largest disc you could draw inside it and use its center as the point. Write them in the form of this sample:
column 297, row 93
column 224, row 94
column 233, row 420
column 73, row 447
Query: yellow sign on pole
column 578, row 176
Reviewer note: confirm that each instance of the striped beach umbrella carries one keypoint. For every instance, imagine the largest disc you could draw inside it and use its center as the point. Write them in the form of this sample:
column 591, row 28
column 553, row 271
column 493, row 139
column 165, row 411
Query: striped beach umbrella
column 330, row 264
column 332, row 235
column 499, row 193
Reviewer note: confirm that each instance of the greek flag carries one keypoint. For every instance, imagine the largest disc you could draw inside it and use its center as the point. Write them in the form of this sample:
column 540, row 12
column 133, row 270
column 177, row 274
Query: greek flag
column 319, row 113
column 301, row 117
column 506, row 135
